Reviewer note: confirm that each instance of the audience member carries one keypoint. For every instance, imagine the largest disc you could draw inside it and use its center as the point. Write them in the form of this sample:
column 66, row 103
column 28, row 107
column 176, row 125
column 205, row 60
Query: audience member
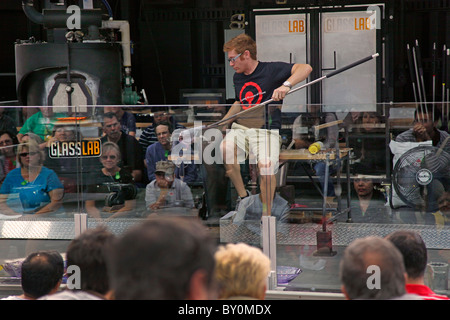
column 164, row 259
column 372, row 268
column 166, row 190
column 32, row 188
column 425, row 128
column 441, row 217
column 7, row 123
column 132, row 159
column 303, row 138
column 160, row 114
column 415, row 257
column 66, row 168
column 126, row 119
column 241, row 272
column 89, row 252
column 161, row 150
column 8, row 147
column 40, row 123
column 368, row 143
column 368, row 203
column 41, row 275
column 109, row 179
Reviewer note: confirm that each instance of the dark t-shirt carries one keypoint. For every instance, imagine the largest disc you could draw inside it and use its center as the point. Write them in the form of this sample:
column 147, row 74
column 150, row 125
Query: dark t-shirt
column 99, row 182
column 257, row 88
column 131, row 152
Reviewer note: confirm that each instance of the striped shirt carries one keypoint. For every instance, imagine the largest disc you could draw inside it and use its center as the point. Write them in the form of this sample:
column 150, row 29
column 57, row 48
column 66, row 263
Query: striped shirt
column 148, row 136
column 408, row 136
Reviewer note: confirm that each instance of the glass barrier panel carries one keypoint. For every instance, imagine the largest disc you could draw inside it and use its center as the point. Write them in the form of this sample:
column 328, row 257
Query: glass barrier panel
column 329, row 174
column 376, row 169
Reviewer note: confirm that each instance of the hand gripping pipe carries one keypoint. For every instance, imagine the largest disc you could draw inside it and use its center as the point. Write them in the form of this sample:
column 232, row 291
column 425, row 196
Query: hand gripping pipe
column 332, row 74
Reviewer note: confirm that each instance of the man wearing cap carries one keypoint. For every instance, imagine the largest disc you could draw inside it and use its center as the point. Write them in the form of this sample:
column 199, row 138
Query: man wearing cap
column 161, row 150
column 166, row 190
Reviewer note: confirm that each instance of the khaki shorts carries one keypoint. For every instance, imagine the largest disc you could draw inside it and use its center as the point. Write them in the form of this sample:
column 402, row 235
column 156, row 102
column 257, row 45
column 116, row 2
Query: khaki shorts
column 259, row 145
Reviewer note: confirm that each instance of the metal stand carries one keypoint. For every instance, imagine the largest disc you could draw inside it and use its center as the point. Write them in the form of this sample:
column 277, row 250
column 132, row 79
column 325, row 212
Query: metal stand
column 324, row 240
column 80, row 223
column 269, row 244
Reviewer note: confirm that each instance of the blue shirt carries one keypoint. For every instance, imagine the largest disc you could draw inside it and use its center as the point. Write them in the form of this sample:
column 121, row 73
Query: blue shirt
column 26, row 197
column 156, row 152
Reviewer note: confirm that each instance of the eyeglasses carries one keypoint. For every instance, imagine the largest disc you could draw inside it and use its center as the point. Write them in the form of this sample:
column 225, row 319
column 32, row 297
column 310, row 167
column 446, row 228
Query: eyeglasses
column 25, row 154
column 160, row 115
column 112, row 125
column 112, row 157
column 6, row 142
column 234, row 59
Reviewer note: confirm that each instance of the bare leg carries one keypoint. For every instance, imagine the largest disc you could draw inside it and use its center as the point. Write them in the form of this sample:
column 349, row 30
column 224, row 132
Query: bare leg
column 267, row 185
column 232, row 168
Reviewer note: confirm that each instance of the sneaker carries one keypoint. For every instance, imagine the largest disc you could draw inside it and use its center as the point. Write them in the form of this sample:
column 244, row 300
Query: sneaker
column 238, row 200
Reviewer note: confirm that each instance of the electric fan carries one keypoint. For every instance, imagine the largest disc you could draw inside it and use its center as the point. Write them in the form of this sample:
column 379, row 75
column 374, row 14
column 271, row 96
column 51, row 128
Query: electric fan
column 420, row 175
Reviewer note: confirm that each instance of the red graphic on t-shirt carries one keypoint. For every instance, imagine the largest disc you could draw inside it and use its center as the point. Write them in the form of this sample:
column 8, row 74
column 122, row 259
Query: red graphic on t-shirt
column 250, row 95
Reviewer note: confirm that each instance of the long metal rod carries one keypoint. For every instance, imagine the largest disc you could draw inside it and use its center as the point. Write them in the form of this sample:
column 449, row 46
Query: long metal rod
column 419, row 65
column 354, row 64
column 444, row 52
column 418, row 79
column 411, row 71
column 434, row 75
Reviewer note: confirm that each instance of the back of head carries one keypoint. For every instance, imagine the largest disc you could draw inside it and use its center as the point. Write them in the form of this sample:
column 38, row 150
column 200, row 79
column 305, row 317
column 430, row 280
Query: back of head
column 41, row 272
column 414, row 251
column 89, row 252
column 241, row 270
column 365, row 256
column 157, row 259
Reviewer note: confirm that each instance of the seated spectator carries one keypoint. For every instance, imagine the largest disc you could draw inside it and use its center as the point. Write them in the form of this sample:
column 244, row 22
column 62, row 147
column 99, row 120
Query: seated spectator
column 40, row 123
column 241, row 272
column 368, row 204
column 160, row 114
column 441, row 217
column 32, row 188
column 42, row 274
column 132, row 158
column 385, row 259
column 369, row 143
column 303, row 138
column 166, row 190
column 163, row 259
column 66, row 168
column 110, row 180
column 8, row 147
column 7, row 123
column 126, row 119
column 425, row 129
column 415, row 257
column 88, row 252
column 161, row 150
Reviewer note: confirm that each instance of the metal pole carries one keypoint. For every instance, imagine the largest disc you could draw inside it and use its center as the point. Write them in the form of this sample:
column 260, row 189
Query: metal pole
column 352, row 65
column 411, row 71
column 80, row 223
column 269, row 241
column 418, row 79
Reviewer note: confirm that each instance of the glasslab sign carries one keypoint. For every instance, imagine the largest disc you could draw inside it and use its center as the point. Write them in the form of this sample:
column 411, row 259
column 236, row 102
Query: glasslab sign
column 75, row 149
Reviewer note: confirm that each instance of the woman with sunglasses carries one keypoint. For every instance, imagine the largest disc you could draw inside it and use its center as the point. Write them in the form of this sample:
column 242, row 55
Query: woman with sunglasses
column 108, row 181
column 32, row 188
